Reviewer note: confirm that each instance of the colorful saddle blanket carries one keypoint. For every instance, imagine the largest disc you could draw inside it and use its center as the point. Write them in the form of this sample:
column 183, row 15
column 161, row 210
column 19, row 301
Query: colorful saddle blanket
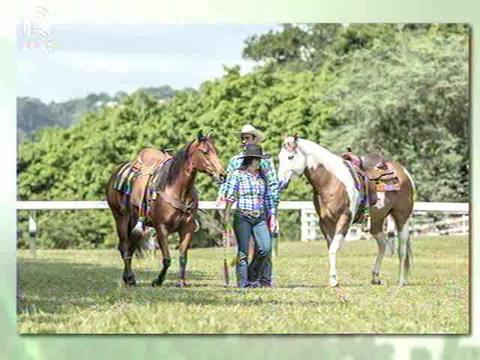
column 135, row 178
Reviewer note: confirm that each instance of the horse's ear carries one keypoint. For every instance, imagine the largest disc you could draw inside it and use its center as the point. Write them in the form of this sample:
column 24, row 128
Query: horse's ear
column 295, row 138
column 200, row 136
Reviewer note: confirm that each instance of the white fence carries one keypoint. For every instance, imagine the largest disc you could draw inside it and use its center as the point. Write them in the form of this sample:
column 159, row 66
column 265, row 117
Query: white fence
column 309, row 220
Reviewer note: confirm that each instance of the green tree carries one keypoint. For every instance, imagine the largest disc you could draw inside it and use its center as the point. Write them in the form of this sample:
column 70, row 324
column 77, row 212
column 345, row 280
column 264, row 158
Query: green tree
column 409, row 100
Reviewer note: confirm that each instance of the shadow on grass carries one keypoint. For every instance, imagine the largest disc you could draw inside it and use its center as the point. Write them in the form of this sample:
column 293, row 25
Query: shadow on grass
column 61, row 287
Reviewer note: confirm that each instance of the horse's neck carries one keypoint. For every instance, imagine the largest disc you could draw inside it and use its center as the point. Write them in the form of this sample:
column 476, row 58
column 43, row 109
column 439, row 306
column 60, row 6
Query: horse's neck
column 318, row 177
column 184, row 180
column 318, row 156
column 184, row 183
column 326, row 171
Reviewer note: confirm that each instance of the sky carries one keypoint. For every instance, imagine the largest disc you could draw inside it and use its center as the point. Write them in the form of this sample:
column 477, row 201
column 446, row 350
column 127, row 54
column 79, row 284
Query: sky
column 109, row 58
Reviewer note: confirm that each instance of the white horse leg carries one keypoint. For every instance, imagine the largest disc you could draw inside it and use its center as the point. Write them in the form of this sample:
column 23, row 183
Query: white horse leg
column 335, row 245
column 390, row 236
column 404, row 253
column 380, row 237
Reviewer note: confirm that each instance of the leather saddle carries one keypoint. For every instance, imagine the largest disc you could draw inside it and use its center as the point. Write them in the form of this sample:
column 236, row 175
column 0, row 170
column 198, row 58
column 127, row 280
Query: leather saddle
column 146, row 163
column 373, row 173
column 135, row 178
column 376, row 167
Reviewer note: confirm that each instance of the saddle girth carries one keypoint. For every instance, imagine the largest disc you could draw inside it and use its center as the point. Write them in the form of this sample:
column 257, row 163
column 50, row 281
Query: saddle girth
column 185, row 207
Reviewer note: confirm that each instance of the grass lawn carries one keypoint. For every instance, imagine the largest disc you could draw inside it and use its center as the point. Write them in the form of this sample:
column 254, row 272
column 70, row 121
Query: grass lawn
column 79, row 291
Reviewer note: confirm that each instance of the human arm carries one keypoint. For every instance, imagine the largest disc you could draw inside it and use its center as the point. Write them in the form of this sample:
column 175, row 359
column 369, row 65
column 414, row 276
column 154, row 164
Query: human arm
column 272, row 196
column 230, row 196
column 233, row 165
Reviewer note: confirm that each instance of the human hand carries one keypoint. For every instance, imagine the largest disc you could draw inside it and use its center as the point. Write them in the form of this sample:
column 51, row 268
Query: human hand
column 220, row 201
column 273, row 224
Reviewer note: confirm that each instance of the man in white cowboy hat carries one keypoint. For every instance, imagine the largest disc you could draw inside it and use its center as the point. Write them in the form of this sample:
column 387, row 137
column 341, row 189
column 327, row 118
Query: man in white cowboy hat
column 250, row 135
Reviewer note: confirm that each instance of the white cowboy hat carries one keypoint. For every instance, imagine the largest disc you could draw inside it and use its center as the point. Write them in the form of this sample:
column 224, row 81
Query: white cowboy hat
column 249, row 129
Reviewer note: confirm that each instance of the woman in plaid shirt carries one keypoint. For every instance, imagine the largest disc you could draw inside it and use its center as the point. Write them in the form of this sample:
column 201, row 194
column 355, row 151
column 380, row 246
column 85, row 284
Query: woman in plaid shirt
column 255, row 204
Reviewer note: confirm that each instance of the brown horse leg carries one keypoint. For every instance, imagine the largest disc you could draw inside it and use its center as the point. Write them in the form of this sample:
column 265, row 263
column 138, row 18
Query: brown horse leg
column 186, row 235
column 126, row 248
column 404, row 246
column 323, row 224
column 341, row 228
column 162, row 235
column 376, row 229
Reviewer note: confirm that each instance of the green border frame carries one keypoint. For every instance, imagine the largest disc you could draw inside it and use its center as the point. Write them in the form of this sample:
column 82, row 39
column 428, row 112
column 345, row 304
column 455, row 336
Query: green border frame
column 205, row 347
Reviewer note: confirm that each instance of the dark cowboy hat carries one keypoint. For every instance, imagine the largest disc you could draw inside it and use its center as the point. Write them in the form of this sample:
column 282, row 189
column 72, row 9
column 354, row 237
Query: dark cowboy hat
column 253, row 151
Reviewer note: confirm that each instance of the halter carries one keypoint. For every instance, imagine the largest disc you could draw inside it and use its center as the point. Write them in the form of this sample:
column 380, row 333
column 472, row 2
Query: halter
column 291, row 147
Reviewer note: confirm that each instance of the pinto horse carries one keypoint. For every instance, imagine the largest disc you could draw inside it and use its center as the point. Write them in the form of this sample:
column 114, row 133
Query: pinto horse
column 337, row 202
column 172, row 210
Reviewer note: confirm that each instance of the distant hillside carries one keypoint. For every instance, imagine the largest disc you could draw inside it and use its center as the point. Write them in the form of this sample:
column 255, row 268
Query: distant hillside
column 33, row 114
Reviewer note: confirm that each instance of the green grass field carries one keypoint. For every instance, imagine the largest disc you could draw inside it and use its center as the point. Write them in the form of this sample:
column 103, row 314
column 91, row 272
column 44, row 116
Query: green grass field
column 79, row 291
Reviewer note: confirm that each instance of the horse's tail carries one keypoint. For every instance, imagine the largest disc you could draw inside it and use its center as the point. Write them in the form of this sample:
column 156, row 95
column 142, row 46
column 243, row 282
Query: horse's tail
column 142, row 241
column 139, row 240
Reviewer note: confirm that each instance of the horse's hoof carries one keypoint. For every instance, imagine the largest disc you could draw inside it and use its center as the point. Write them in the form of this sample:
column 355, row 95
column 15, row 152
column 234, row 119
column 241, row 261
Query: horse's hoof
column 402, row 283
column 378, row 282
column 183, row 284
column 333, row 283
column 157, row 282
column 129, row 280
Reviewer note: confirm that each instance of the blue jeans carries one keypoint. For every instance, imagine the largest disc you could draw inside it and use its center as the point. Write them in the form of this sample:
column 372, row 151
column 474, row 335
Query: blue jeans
column 246, row 227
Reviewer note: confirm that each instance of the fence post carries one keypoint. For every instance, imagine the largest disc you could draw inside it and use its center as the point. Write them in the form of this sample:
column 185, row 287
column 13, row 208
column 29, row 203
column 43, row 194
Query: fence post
column 32, row 233
column 465, row 223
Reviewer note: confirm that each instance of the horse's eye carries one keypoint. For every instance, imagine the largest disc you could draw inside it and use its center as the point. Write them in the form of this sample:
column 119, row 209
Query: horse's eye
column 290, row 157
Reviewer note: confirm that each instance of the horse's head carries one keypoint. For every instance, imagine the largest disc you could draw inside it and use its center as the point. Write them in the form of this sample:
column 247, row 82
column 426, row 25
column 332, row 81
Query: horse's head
column 292, row 161
column 204, row 157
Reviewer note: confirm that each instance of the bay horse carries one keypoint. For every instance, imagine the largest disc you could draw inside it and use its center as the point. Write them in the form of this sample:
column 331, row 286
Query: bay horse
column 172, row 210
column 337, row 201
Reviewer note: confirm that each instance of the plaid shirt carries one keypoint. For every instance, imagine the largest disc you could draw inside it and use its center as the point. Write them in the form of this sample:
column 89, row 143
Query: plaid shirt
column 268, row 171
column 249, row 191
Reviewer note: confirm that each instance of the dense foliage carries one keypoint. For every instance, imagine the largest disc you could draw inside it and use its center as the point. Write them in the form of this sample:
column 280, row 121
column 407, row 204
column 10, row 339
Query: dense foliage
column 401, row 91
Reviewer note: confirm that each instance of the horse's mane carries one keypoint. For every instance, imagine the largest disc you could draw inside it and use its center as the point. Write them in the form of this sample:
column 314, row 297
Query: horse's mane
column 168, row 173
column 320, row 155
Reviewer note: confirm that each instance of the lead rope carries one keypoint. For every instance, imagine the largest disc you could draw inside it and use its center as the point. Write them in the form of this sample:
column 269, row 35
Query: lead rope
column 226, row 271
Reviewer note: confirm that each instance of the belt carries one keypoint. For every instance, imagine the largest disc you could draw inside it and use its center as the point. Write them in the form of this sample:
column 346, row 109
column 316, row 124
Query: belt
column 250, row 213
